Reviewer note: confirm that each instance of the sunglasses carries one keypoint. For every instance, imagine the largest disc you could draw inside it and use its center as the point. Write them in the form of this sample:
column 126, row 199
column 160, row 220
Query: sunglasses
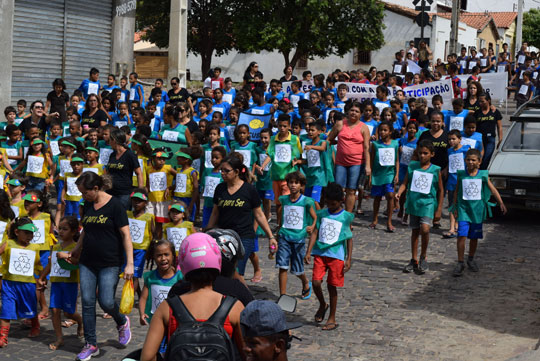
column 174, row 83
column 38, row 107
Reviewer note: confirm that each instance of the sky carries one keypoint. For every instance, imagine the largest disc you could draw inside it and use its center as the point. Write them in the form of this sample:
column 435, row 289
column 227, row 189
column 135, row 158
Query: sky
column 482, row 5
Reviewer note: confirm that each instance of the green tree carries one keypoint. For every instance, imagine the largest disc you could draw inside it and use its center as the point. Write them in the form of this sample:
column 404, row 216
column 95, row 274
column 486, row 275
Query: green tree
column 209, row 26
column 308, row 28
column 531, row 27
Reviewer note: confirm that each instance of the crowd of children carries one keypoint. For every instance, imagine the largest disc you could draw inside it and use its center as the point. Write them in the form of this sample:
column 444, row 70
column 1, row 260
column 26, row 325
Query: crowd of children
column 292, row 165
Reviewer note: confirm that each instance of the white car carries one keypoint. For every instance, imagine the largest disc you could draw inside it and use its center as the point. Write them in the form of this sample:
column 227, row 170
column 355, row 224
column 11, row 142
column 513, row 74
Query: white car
column 515, row 166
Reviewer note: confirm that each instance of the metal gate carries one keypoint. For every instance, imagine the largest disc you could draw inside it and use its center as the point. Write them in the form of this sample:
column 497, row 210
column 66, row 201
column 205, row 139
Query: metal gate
column 58, row 39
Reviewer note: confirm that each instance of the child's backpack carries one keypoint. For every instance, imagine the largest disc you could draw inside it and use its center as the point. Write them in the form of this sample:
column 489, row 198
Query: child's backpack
column 194, row 340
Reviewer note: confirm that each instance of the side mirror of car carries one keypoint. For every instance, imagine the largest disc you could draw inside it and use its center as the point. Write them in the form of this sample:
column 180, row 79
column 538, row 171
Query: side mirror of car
column 287, row 303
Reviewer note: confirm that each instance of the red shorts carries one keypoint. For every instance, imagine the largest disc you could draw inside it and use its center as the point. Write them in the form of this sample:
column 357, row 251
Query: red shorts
column 334, row 266
column 280, row 189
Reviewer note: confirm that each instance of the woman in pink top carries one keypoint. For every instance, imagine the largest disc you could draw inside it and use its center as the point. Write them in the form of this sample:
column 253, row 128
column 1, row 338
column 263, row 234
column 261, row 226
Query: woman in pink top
column 352, row 157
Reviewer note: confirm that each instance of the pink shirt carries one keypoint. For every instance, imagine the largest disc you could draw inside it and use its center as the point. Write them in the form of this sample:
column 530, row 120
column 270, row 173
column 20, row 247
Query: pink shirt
column 350, row 145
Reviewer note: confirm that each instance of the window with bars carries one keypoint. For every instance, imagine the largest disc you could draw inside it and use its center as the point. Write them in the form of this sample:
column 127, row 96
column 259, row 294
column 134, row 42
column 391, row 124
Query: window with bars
column 362, row 57
column 302, row 62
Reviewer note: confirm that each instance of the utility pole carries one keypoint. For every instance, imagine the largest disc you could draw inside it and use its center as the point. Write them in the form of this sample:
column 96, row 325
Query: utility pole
column 454, row 24
column 519, row 26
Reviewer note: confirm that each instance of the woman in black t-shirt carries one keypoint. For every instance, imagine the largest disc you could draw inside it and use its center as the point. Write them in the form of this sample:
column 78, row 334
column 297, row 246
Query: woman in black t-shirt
column 439, row 138
column 177, row 93
column 105, row 240
column 236, row 203
column 122, row 164
column 93, row 116
column 249, row 74
column 489, row 124
column 474, row 89
column 288, row 74
column 58, row 99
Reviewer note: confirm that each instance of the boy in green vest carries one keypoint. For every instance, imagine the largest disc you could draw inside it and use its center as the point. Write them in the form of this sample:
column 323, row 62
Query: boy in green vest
column 471, row 207
column 298, row 220
column 331, row 246
column 284, row 152
column 425, row 194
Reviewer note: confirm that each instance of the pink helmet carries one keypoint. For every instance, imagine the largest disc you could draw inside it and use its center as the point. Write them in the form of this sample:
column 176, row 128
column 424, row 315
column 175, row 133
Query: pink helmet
column 199, row 250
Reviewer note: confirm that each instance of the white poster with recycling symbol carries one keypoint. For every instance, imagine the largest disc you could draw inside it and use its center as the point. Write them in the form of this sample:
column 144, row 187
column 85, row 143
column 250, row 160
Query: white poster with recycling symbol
column 56, row 270
column 181, row 183
column 246, row 154
column 387, row 157
column 65, row 167
column 472, row 189
column 210, row 186
column 456, row 123
column 456, row 162
column 39, row 235
column 170, row 135
column 313, row 158
column 34, row 164
column 329, row 231
column 176, row 236
column 262, row 158
column 72, row 189
column 208, row 159
column 283, row 153
column 104, row 155
column 468, row 141
column 293, row 217
column 3, row 226
column 159, row 294
column 158, row 181
column 421, row 182
column 406, row 154
column 137, row 228
column 21, row 262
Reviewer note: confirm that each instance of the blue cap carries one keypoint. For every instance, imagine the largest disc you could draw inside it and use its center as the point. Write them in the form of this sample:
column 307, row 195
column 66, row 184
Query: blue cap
column 264, row 318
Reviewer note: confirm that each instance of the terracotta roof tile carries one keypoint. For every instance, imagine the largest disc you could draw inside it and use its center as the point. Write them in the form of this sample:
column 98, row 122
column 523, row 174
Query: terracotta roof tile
column 474, row 20
column 504, row 19
column 138, row 36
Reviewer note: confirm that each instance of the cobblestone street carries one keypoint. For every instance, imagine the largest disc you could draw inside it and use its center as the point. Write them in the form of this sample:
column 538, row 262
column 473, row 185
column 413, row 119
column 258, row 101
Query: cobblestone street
column 384, row 314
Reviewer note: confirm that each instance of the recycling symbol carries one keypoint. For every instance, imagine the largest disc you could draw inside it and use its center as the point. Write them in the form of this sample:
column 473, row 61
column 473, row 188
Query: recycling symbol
column 472, row 190
column 181, row 183
column 159, row 183
column 455, row 163
column 328, row 232
column 282, row 154
column 422, row 182
column 22, row 264
column 313, row 157
column 176, row 238
column 293, row 218
column 37, row 236
column 136, row 231
column 160, row 297
column 57, row 270
column 386, row 156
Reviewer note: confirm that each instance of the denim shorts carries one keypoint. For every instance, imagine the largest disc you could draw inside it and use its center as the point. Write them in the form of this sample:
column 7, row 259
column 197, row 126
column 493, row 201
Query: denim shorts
column 415, row 221
column 349, row 177
column 290, row 255
column 314, row 192
column 249, row 246
column 382, row 190
column 470, row 230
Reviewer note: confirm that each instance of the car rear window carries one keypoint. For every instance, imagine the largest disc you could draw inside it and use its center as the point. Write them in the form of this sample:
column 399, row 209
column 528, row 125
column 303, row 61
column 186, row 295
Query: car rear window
column 523, row 136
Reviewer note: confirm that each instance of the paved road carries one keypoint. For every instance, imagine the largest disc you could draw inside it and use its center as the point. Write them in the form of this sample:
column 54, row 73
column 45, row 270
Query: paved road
column 385, row 314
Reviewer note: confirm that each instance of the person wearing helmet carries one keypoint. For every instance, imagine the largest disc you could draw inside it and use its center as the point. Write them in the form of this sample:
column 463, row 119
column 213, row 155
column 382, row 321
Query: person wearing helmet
column 232, row 250
column 200, row 259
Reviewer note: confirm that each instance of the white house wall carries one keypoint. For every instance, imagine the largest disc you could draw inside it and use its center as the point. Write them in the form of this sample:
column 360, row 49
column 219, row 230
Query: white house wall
column 466, row 36
column 399, row 31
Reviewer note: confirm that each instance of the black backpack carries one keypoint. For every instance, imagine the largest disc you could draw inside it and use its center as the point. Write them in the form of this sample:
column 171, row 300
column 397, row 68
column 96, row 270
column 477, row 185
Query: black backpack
column 194, row 340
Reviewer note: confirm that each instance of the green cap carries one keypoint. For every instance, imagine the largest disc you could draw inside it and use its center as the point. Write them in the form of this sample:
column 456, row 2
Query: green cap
column 3, row 137
column 37, row 141
column 65, row 142
column 160, row 154
column 178, row 207
column 77, row 159
column 92, row 149
column 14, row 182
column 183, row 155
column 139, row 195
column 66, row 265
column 28, row 227
column 31, row 198
column 136, row 142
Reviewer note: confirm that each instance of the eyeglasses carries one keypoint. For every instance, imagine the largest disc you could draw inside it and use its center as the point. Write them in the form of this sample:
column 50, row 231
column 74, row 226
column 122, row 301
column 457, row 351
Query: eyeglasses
column 38, row 107
column 174, row 83
column 226, row 171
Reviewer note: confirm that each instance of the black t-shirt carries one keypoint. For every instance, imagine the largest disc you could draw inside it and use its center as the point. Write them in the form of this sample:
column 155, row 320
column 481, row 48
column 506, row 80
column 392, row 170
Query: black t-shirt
column 441, row 147
column 58, row 103
column 223, row 285
column 182, row 96
column 236, row 210
column 121, row 171
column 192, row 126
column 486, row 124
column 27, row 122
column 103, row 243
column 471, row 107
column 293, row 78
column 95, row 120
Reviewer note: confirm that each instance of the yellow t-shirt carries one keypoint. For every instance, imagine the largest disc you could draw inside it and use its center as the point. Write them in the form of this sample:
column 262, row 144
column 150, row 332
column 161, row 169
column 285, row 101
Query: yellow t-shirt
column 97, row 168
column 72, row 192
column 177, row 232
column 139, row 237
column 20, row 263
column 18, row 209
column 58, row 274
column 43, row 222
column 159, row 181
column 143, row 162
column 33, row 164
column 184, row 183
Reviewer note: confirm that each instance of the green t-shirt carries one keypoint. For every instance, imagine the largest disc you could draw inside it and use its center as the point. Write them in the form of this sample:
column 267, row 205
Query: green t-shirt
column 334, row 230
column 384, row 162
column 295, row 218
column 282, row 154
column 318, row 166
column 178, row 134
column 208, row 185
column 158, row 289
column 264, row 182
column 422, row 190
column 248, row 151
column 473, row 196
